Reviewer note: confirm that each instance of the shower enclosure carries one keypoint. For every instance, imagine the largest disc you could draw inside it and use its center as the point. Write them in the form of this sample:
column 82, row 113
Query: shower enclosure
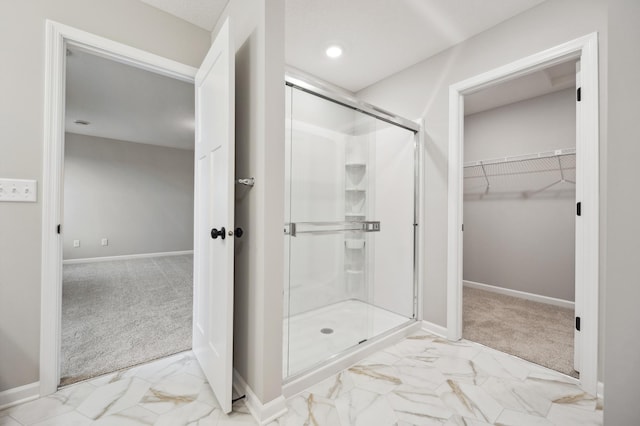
column 350, row 231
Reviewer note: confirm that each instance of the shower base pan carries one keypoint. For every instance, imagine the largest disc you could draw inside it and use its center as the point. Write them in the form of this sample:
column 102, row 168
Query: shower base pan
column 322, row 334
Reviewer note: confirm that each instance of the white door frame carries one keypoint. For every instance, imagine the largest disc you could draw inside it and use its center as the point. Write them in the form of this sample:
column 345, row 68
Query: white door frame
column 58, row 37
column 587, row 226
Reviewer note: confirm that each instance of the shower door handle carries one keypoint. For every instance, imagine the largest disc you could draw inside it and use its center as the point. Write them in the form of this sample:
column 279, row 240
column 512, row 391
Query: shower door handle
column 221, row 233
column 294, row 229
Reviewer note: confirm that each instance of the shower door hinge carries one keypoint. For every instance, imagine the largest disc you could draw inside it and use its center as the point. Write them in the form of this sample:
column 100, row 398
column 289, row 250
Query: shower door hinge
column 578, row 323
column 463, row 227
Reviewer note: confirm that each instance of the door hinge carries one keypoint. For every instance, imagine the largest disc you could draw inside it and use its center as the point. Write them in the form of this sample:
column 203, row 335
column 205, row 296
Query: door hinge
column 579, row 208
column 579, row 94
column 59, row 228
column 463, row 227
column 578, row 323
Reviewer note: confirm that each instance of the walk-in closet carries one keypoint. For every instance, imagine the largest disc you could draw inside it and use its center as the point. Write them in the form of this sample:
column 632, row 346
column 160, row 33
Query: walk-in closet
column 519, row 271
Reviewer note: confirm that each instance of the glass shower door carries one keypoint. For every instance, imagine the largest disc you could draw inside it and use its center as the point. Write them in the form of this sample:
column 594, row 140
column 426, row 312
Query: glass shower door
column 336, row 181
column 327, row 208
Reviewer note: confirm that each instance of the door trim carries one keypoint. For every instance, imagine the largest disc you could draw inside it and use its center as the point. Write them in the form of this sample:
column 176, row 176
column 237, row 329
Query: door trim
column 58, row 37
column 587, row 264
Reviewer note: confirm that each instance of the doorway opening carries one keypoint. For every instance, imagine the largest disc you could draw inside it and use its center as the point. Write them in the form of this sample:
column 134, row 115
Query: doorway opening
column 519, row 217
column 214, row 83
column 61, row 39
column 586, row 318
column 127, row 227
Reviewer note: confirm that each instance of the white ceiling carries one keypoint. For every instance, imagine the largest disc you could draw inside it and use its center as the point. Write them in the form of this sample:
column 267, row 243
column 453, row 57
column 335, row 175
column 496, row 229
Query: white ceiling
column 127, row 103
column 379, row 37
column 203, row 13
column 543, row 82
column 382, row 37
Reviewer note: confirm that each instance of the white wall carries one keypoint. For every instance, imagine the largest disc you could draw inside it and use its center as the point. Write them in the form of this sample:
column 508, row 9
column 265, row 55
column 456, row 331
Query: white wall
column 422, row 91
column 138, row 196
column 524, row 243
column 622, row 356
column 22, row 30
column 258, row 33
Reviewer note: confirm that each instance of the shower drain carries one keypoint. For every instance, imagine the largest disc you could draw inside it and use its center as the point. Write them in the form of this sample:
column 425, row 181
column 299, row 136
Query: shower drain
column 326, row 330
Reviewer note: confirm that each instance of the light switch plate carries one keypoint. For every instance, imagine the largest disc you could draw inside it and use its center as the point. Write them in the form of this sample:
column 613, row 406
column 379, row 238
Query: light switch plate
column 18, row 190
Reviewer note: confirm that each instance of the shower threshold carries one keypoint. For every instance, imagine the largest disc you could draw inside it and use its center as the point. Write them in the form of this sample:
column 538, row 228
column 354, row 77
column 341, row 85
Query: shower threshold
column 316, row 336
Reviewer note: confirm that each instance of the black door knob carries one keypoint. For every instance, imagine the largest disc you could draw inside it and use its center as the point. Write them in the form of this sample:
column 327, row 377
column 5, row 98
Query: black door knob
column 221, row 233
column 239, row 232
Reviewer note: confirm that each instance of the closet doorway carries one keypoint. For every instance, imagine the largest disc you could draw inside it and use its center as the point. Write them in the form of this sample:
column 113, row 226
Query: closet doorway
column 586, row 207
column 519, row 216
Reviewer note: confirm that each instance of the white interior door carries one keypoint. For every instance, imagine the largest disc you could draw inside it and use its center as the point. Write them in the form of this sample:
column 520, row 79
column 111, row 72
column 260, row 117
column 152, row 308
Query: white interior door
column 579, row 288
column 214, row 209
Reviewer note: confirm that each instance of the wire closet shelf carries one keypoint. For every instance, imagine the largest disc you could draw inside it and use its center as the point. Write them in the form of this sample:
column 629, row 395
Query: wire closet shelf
column 559, row 164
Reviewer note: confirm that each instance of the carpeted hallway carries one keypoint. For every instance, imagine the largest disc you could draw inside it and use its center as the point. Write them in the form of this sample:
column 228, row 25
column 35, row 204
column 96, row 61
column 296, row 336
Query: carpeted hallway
column 537, row 332
column 121, row 313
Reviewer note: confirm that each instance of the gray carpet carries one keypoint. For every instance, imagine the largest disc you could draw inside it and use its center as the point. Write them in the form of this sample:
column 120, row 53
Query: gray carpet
column 537, row 332
column 122, row 313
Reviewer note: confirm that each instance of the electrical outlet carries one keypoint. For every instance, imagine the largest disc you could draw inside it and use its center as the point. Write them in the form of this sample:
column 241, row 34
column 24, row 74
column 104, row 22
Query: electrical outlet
column 76, row 243
column 18, row 190
column 104, row 242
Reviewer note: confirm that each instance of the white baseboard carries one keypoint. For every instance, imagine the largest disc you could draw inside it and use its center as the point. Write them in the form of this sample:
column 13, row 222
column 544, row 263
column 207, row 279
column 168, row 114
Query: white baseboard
column 436, row 329
column 521, row 294
column 263, row 413
column 125, row 257
column 18, row 395
column 600, row 390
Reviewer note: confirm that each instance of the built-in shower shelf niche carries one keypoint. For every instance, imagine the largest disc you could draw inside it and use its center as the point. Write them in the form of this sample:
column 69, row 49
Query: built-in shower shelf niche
column 354, row 244
column 355, row 202
column 355, row 215
column 355, row 175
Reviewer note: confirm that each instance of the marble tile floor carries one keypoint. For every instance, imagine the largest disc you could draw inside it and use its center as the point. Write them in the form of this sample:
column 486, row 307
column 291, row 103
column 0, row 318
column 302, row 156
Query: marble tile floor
column 169, row 392
column 427, row 380
column 423, row 380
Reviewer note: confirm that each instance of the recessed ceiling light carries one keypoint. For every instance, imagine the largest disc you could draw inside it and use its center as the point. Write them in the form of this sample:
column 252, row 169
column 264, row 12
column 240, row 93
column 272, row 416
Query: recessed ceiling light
column 82, row 122
column 334, row 51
